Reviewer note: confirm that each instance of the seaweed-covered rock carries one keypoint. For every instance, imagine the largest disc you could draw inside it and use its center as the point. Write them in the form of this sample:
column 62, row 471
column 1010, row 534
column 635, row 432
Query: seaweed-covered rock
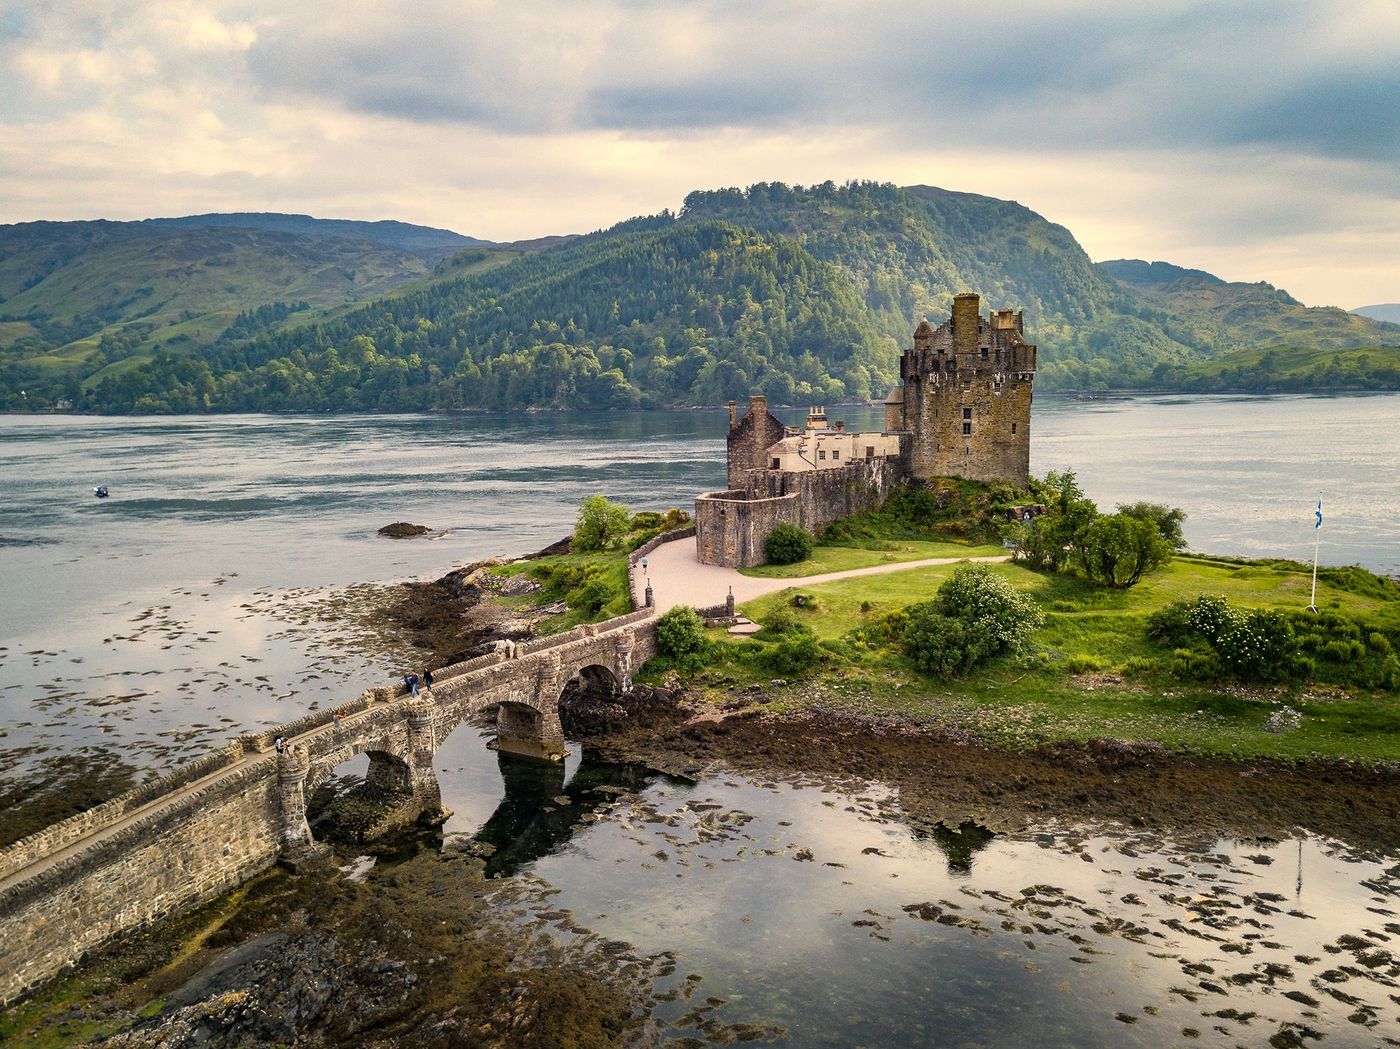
column 404, row 530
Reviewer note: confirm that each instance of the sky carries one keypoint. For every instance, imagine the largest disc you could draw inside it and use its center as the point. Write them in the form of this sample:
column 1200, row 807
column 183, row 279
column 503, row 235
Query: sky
column 1257, row 140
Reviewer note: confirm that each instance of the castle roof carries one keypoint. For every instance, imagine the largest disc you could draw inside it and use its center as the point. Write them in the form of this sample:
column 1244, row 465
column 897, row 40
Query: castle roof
column 924, row 328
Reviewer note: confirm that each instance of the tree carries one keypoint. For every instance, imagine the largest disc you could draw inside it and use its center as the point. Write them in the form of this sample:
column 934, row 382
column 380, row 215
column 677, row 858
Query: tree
column 600, row 524
column 1118, row 550
column 1167, row 519
column 788, row 544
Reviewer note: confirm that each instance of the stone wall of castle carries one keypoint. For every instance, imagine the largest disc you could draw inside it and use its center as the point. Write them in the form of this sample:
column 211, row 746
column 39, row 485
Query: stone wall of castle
column 750, row 439
column 732, row 527
column 966, row 397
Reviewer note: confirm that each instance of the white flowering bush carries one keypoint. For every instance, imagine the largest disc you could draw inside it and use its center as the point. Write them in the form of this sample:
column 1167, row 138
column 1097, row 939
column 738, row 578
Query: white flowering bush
column 990, row 606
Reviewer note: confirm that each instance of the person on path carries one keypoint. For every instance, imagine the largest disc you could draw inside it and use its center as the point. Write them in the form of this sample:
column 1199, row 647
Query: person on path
column 413, row 684
column 427, row 679
column 280, row 744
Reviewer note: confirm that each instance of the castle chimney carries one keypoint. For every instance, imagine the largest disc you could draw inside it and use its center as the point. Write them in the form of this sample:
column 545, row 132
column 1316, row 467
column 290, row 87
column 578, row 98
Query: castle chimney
column 967, row 311
column 733, row 413
column 840, row 425
column 758, row 403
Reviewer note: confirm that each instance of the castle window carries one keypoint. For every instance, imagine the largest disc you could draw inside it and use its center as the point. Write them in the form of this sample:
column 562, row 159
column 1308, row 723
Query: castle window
column 1013, row 427
column 821, row 455
column 777, row 463
column 967, row 429
column 984, row 353
column 836, row 453
column 869, row 452
column 967, row 413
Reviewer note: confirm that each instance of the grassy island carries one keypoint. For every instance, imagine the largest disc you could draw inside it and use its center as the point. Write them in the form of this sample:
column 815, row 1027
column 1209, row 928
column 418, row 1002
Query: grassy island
column 1209, row 655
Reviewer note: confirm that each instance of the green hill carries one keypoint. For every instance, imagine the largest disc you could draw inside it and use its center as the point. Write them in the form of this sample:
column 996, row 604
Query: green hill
column 805, row 294
column 78, row 299
column 1220, row 318
column 1290, row 369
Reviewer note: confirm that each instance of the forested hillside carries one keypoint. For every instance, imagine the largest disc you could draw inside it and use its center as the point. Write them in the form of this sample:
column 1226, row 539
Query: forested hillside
column 805, row 294
column 85, row 299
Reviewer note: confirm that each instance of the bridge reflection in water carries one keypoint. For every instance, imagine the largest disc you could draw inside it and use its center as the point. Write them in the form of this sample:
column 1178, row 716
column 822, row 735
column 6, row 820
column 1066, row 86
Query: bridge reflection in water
column 541, row 807
column 539, row 812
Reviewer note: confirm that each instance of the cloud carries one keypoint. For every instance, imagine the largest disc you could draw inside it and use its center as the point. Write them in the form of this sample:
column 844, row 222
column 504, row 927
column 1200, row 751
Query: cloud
column 1222, row 135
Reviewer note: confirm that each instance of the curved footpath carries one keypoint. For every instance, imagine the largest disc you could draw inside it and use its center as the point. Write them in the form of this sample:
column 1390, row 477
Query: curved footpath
column 678, row 578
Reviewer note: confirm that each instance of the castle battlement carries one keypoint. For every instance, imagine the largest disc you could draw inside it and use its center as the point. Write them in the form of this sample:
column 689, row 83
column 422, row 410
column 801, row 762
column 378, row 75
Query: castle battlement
column 964, row 396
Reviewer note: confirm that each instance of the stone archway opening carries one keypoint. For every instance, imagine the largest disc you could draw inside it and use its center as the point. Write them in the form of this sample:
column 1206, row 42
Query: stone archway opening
column 368, row 795
column 590, row 703
column 526, row 731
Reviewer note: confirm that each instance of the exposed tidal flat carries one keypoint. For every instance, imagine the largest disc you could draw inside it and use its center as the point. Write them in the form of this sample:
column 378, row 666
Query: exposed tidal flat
column 808, row 882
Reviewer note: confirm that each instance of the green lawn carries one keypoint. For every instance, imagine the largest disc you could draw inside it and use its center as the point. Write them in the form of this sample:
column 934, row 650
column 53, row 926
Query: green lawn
column 1039, row 698
column 880, row 552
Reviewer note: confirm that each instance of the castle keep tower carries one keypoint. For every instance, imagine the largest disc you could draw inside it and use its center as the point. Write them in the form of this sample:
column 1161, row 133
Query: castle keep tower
column 965, row 397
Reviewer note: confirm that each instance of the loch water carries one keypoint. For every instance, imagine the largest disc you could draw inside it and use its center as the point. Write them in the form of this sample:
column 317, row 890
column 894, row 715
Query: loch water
column 208, row 596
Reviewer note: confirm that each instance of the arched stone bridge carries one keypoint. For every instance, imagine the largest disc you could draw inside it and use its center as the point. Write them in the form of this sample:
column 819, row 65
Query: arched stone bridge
column 202, row 830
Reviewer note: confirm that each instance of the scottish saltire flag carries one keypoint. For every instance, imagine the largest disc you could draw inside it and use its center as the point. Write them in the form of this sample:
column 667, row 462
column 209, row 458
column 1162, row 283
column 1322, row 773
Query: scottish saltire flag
column 1318, row 513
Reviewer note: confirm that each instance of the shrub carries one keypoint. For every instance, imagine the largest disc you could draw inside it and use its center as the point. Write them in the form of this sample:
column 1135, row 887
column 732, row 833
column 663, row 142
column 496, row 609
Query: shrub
column 680, row 634
column 673, row 519
column 779, row 623
column 1258, row 646
column 793, row 654
column 600, row 524
column 1209, row 615
column 1171, row 624
column 788, row 544
column 645, row 519
column 591, row 596
column 1118, row 550
column 976, row 595
column 941, row 644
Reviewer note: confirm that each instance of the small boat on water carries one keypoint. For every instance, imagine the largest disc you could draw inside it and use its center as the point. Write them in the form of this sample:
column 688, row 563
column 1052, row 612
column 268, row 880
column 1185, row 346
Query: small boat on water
column 101, row 491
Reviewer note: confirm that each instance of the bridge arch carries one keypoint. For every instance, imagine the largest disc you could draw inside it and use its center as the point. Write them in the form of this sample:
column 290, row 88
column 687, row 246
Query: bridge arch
column 594, row 679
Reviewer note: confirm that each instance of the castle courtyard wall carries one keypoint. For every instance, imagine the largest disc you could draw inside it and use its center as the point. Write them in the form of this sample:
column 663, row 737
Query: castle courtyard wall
column 732, row 527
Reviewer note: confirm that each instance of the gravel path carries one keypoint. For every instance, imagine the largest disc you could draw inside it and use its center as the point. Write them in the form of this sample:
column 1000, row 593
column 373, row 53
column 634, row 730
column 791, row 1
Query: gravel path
column 677, row 578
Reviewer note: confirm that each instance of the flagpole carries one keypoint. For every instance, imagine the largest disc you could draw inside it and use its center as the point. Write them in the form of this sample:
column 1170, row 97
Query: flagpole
column 1317, row 541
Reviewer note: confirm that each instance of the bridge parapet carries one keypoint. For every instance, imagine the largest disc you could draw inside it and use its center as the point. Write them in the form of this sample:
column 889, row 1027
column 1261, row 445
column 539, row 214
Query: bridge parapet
column 51, row 839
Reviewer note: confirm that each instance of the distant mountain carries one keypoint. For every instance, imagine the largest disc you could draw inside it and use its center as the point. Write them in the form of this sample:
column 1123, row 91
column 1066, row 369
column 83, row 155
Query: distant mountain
column 421, row 240
column 805, row 294
column 80, row 298
column 1152, row 274
column 1386, row 311
column 1217, row 317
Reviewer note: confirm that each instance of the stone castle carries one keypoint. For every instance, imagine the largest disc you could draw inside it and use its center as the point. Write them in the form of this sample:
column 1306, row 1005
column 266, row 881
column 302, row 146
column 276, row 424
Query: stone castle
column 962, row 409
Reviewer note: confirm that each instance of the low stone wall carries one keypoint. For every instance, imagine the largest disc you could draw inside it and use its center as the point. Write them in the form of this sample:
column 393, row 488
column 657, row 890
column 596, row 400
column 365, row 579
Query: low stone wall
column 635, row 557
column 28, row 850
column 178, row 856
